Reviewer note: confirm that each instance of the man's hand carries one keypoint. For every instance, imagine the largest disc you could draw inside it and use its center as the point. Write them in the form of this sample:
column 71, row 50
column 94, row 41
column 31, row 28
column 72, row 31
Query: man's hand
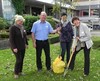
column 34, row 44
column 59, row 32
column 58, row 29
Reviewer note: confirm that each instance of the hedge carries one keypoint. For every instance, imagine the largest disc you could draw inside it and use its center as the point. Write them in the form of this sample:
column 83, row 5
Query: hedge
column 53, row 38
column 29, row 20
column 4, row 35
column 4, row 24
column 4, row 43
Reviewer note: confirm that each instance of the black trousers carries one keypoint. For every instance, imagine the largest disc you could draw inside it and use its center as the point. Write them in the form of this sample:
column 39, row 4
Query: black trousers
column 46, row 47
column 86, row 60
column 65, row 47
column 19, row 61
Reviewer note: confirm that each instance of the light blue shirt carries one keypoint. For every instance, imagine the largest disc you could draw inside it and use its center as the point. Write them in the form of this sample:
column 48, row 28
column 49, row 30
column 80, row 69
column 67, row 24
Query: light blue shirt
column 41, row 30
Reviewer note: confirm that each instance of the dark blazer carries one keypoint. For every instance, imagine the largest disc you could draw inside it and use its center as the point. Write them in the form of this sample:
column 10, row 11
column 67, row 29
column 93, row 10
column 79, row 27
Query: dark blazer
column 16, row 39
column 67, row 33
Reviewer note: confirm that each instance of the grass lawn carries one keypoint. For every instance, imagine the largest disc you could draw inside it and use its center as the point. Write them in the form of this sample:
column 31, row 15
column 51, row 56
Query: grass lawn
column 7, row 61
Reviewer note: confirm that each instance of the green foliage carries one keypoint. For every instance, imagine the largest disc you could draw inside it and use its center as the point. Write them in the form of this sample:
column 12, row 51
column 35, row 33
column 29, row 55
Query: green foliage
column 56, row 8
column 19, row 6
column 4, row 35
column 54, row 38
column 3, row 24
column 29, row 20
column 49, row 17
column 52, row 22
column 58, row 4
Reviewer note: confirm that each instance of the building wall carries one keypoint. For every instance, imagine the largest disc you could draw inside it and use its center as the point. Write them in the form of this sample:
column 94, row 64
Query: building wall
column 89, row 11
column 88, row 8
column 34, row 7
column 1, row 8
column 8, row 10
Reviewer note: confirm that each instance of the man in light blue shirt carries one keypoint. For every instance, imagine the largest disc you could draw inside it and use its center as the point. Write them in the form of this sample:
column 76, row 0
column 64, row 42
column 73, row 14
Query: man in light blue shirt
column 40, row 31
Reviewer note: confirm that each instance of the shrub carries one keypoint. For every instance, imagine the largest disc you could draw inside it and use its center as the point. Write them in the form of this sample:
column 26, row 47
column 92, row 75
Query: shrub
column 3, row 24
column 52, row 22
column 53, row 38
column 4, row 35
column 49, row 17
column 29, row 20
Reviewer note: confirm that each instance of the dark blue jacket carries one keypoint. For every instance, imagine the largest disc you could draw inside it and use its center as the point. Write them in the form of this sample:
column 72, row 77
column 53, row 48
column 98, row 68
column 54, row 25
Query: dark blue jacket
column 66, row 33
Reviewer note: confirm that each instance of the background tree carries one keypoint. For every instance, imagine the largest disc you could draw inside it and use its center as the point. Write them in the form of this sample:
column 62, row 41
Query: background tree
column 19, row 6
column 56, row 8
column 58, row 4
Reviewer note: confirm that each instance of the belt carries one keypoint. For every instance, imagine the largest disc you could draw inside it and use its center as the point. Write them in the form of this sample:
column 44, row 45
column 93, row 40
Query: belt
column 42, row 40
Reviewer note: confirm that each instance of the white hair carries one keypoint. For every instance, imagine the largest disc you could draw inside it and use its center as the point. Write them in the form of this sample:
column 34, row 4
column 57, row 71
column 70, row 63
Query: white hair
column 43, row 12
column 19, row 17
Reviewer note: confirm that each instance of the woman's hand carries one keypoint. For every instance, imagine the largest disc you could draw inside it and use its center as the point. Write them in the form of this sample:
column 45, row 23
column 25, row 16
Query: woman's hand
column 77, row 38
column 15, row 50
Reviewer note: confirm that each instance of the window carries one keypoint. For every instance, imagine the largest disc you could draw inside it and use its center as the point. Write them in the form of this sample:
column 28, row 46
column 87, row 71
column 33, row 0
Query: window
column 83, row 13
column 80, row 0
column 95, row 12
column 8, row 10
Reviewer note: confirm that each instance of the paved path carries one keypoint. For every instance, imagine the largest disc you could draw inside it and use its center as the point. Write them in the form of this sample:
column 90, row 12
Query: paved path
column 95, row 33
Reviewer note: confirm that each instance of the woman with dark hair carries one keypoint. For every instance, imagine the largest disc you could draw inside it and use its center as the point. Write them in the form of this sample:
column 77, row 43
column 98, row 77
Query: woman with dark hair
column 83, row 37
column 66, row 36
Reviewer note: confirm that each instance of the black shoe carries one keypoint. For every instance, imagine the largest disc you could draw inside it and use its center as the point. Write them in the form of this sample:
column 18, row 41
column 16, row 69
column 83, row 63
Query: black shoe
column 48, row 69
column 70, row 69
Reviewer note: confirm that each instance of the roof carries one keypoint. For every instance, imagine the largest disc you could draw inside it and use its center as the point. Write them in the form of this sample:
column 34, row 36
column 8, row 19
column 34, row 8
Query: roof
column 50, row 2
column 46, row 1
